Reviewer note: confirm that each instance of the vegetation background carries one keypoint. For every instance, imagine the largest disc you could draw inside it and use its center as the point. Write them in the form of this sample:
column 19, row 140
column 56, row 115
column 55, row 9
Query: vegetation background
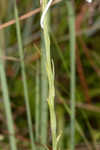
column 22, row 62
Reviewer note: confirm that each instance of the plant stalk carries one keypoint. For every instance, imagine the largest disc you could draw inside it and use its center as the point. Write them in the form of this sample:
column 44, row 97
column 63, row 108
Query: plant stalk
column 24, row 80
column 71, row 22
column 6, row 98
column 50, row 74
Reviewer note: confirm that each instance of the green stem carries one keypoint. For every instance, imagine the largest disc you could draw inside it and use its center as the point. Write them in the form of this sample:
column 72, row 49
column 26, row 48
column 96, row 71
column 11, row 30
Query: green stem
column 37, row 103
column 44, row 91
column 24, row 77
column 50, row 75
column 6, row 97
column 71, row 21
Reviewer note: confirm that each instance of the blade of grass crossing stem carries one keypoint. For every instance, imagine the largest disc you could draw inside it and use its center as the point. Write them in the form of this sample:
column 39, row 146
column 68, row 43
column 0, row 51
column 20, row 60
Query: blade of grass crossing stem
column 71, row 22
column 24, row 77
column 6, row 98
column 44, row 91
column 50, row 75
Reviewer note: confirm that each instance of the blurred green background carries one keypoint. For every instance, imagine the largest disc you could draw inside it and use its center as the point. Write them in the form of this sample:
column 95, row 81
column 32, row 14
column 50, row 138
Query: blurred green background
column 87, row 71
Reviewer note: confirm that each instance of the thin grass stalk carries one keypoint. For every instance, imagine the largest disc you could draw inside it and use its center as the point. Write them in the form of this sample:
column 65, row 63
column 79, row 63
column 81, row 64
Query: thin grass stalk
column 71, row 22
column 50, row 75
column 44, row 92
column 6, row 98
column 24, row 77
column 37, row 102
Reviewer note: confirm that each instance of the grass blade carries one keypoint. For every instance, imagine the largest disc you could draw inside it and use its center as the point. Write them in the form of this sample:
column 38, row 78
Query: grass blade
column 71, row 20
column 6, row 97
column 24, row 77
